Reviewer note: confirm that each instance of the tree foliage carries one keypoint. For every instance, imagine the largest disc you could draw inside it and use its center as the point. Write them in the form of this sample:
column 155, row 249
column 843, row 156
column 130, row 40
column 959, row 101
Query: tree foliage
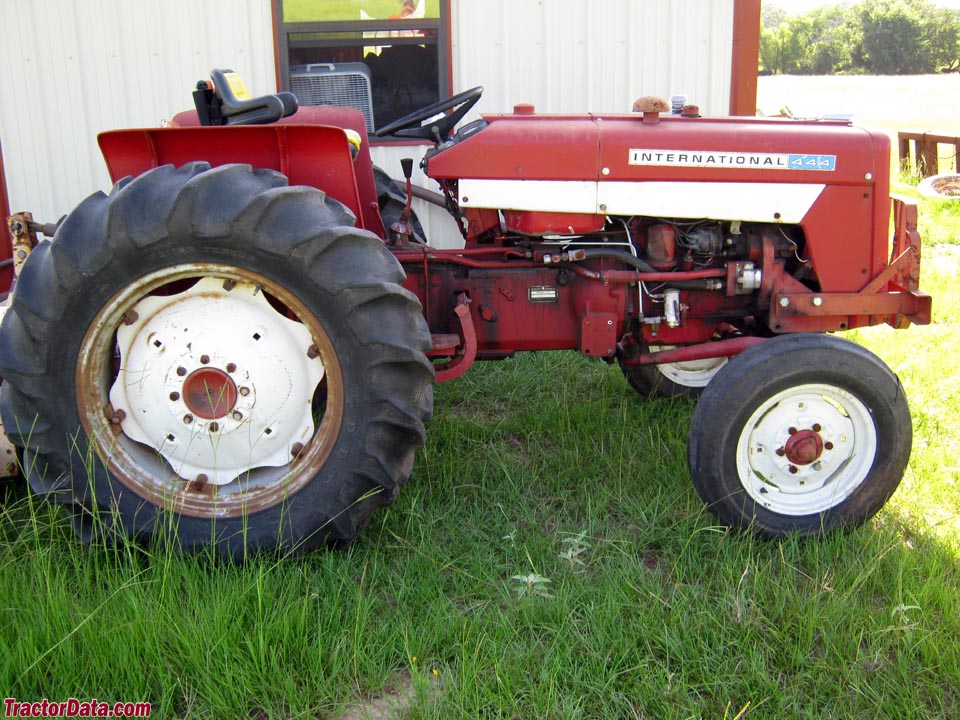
column 877, row 37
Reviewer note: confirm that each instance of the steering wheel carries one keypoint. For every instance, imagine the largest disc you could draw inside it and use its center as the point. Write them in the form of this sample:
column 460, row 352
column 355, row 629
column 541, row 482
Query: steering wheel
column 411, row 126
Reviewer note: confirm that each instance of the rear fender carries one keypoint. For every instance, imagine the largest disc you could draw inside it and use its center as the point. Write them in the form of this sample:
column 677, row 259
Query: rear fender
column 314, row 155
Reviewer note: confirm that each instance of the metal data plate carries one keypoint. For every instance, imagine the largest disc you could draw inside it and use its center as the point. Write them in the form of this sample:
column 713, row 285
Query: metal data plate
column 543, row 293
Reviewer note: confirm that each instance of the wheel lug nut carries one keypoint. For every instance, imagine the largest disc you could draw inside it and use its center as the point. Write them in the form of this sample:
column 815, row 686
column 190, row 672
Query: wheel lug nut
column 174, row 396
column 793, row 470
column 130, row 317
column 214, row 426
column 229, row 284
column 828, row 446
column 816, row 427
column 313, row 352
column 231, row 367
column 187, row 419
column 204, row 359
column 792, row 431
column 781, row 452
column 296, row 449
column 181, row 371
column 198, row 484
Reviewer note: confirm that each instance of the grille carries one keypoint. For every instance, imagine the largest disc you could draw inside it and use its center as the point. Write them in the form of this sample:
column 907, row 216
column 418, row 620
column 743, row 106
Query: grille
column 343, row 84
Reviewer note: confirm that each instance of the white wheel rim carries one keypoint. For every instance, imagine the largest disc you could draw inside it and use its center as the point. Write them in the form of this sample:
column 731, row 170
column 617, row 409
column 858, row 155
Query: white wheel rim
column 295, row 389
column 262, row 358
column 806, row 449
column 691, row 373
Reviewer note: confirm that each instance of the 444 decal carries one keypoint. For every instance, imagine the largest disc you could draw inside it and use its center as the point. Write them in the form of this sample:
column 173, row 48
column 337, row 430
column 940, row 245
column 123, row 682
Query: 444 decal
column 812, row 162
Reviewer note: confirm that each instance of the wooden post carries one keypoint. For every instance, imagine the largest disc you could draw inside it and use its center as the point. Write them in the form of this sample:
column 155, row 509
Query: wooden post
column 904, row 142
column 930, row 160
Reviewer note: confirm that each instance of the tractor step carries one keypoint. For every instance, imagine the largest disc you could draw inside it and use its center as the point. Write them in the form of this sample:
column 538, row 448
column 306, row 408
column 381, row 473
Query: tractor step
column 444, row 345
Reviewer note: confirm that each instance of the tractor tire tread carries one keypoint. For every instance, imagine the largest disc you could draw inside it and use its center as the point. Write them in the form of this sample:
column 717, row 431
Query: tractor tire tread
column 104, row 239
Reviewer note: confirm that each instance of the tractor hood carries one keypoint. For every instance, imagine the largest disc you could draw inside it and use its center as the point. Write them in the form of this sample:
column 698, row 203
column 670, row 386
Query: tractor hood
column 763, row 169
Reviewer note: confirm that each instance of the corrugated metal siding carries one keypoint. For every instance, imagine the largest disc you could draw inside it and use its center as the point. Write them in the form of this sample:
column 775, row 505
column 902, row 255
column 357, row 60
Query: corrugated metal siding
column 69, row 70
column 597, row 56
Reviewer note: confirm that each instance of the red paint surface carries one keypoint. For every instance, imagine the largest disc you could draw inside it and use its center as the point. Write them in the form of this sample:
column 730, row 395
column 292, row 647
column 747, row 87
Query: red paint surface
column 309, row 147
column 591, row 304
column 6, row 250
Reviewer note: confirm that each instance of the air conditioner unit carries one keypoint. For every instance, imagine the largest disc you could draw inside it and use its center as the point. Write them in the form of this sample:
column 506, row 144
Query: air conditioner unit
column 341, row 84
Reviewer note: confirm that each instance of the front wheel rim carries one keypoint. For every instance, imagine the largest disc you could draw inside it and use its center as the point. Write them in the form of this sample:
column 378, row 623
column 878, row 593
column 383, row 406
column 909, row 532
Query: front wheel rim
column 216, row 484
column 806, row 449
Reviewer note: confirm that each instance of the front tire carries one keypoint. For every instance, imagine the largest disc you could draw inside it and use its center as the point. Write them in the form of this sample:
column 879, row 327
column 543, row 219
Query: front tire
column 213, row 354
column 801, row 434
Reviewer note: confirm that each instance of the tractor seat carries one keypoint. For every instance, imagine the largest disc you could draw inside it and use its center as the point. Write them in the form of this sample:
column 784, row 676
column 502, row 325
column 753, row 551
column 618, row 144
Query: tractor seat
column 224, row 99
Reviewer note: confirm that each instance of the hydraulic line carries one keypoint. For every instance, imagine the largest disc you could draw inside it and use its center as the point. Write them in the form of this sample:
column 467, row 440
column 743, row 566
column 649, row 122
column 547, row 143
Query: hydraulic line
column 643, row 267
column 643, row 272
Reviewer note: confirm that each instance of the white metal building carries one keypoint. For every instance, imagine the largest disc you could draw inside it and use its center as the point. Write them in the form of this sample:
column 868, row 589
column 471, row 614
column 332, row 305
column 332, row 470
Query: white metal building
column 70, row 69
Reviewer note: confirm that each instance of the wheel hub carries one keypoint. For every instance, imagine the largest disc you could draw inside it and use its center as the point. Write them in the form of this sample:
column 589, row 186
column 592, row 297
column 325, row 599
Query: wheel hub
column 209, row 393
column 804, row 447
column 216, row 380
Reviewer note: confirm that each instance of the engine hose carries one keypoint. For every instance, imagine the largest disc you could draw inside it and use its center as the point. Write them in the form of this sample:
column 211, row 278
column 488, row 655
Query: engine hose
column 621, row 255
column 692, row 285
column 640, row 265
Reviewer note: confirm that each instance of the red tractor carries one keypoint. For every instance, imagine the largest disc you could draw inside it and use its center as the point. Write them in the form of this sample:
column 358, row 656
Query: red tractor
column 238, row 344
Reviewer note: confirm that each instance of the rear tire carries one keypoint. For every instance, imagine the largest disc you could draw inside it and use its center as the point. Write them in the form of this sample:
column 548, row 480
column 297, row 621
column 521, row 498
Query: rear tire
column 800, row 434
column 289, row 412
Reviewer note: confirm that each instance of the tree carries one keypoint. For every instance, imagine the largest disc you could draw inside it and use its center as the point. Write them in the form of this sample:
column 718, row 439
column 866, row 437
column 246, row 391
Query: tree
column 879, row 37
column 942, row 34
column 771, row 16
column 782, row 48
column 811, row 44
column 828, row 45
column 890, row 38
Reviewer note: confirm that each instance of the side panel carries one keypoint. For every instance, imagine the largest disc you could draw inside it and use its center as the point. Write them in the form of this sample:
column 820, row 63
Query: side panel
column 523, row 308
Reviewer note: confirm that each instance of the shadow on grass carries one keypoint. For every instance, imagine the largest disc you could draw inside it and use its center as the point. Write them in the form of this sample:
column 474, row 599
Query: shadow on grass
column 545, row 467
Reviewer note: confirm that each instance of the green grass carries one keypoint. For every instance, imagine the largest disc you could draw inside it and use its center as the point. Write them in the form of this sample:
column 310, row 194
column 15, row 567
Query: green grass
column 545, row 465
column 313, row 11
